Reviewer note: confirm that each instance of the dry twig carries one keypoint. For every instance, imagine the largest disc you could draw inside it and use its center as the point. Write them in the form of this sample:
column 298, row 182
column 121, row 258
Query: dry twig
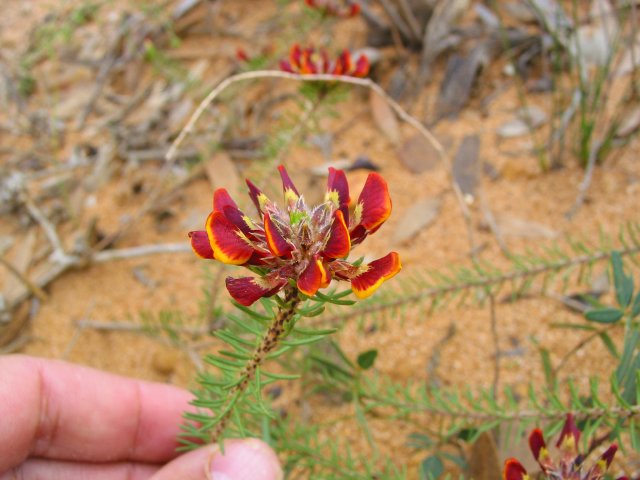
column 362, row 82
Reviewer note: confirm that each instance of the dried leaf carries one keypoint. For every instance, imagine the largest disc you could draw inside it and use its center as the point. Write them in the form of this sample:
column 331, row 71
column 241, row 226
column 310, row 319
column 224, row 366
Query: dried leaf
column 517, row 227
column 484, row 463
column 593, row 44
column 437, row 35
column 416, row 218
column 532, row 115
column 21, row 262
column 384, row 117
column 418, row 155
column 551, row 16
column 466, row 168
column 520, row 11
column 455, row 89
column 222, row 172
column 630, row 122
column 527, row 119
column 629, row 61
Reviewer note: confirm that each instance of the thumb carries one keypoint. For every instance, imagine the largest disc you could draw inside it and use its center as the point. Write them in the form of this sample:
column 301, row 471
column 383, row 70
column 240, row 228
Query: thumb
column 249, row 459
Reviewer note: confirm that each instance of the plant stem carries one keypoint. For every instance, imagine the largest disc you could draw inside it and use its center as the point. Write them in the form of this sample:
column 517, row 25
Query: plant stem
column 269, row 341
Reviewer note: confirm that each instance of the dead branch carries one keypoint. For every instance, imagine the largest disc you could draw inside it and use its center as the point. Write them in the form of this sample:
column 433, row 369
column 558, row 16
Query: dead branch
column 362, row 82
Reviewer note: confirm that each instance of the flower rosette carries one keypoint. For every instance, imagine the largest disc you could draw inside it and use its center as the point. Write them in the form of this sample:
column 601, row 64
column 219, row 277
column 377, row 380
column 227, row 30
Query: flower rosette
column 306, row 246
column 305, row 61
column 334, row 8
column 570, row 464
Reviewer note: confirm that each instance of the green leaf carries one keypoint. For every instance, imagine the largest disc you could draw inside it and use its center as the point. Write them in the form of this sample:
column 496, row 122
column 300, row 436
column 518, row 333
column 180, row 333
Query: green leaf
column 367, row 359
column 468, row 434
column 608, row 343
column 635, row 309
column 305, row 331
column 547, row 367
column 631, row 340
column 332, row 299
column 604, row 315
column 622, row 282
column 634, row 435
column 279, row 376
column 432, row 467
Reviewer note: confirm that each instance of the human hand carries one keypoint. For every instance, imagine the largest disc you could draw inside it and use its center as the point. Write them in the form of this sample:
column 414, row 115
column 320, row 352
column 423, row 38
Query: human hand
column 63, row 421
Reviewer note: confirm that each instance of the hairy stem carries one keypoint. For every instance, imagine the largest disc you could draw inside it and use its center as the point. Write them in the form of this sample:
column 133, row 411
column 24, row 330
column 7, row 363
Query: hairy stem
column 269, row 342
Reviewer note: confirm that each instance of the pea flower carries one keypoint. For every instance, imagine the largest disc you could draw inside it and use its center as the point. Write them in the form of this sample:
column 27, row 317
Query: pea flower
column 309, row 61
column 334, row 8
column 571, row 461
column 299, row 243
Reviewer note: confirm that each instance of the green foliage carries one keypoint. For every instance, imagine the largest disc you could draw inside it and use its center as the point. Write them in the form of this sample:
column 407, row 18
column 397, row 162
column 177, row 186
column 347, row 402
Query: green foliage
column 310, row 355
column 367, row 359
column 469, row 414
column 230, row 400
column 307, row 456
column 567, row 264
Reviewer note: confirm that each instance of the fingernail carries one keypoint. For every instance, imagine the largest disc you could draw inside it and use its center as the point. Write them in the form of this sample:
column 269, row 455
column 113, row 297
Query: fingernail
column 249, row 459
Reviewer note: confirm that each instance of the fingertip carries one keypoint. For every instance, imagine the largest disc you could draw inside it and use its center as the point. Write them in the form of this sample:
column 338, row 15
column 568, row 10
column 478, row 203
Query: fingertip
column 249, row 459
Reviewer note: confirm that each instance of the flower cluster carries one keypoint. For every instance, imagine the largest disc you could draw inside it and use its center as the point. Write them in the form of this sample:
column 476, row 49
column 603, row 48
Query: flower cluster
column 334, row 8
column 308, row 60
column 306, row 245
column 569, row 467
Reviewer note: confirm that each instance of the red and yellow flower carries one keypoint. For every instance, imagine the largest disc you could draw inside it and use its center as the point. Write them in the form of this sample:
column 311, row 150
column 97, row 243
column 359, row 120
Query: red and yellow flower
column 309, row 61
column 571, row 461
column 334, row 8
column 307, row 245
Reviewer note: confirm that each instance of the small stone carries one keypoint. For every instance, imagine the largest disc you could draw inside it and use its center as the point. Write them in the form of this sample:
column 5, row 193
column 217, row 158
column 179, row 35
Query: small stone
column 165, row 361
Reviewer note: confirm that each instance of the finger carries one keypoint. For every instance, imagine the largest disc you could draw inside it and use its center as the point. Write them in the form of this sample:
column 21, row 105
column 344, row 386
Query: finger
column 42, row 469
column 249, row 459
column 56, row 410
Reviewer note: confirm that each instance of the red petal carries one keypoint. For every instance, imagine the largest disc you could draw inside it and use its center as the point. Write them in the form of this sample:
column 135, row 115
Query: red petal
column 258, row 198
column 374, row 203
column 313, row 277
column 362, row 67
column 276, row 242
column 222, row 202
column 339, row 244
column 537, row 443
column 295, row 55
column 325, row 61
column 222, row 199
column 247, row 290
column 354, row 10
column 285, row 66
column 513, row 470
column 608, row 454
column 241, row 55
column 200, row 244
column 358, row 234
column 227, row 241
column 338, row 192
column 364, row 284
column 599, row 468
column 291, row 194
column 570, row 436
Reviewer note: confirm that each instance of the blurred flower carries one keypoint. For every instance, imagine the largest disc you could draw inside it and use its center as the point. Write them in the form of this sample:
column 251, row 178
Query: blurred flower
column 307, row 60
column 241, row 54
column 569, row 466
column 334, row 8
column 306, row 245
